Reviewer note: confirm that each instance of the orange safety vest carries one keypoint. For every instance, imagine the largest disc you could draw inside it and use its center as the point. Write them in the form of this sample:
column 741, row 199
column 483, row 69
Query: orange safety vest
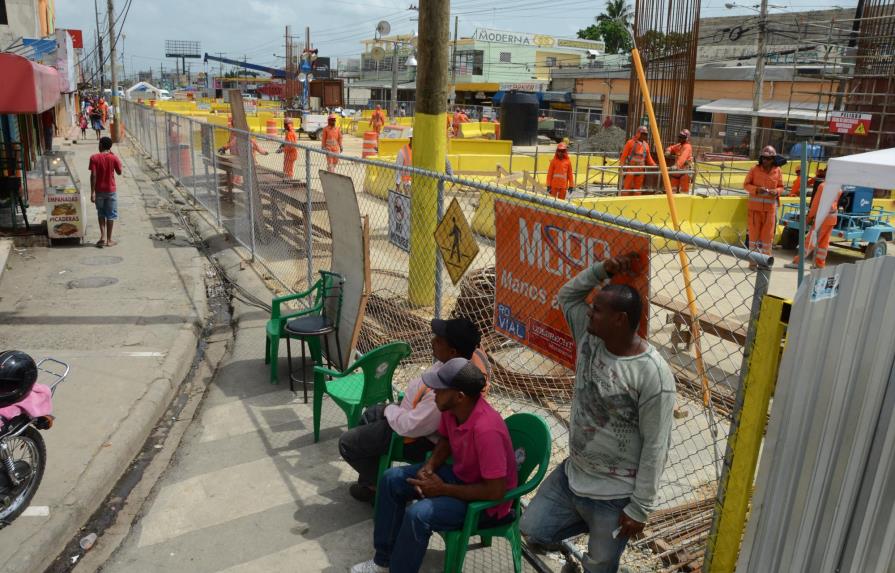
column 332, row 138
column 758, row 178
column 407, row 153
column 832, row 214
column 639, row 152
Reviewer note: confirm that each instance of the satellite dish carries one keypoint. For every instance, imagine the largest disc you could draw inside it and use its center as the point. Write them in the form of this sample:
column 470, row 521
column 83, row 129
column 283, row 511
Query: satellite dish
column 377, row 54
column 301, row 77
column 383, row 28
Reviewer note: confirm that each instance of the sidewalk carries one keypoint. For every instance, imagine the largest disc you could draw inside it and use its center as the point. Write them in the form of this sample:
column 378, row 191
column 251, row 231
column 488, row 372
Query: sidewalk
column 127, row 319
column 248, row 489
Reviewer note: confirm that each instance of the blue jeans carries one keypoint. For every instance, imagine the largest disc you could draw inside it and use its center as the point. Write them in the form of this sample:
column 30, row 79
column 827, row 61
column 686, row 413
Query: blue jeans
column 401, row 532
column 556, row 513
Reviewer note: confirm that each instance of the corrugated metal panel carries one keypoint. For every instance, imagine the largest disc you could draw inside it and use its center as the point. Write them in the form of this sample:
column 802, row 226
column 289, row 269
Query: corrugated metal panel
column 827, row 452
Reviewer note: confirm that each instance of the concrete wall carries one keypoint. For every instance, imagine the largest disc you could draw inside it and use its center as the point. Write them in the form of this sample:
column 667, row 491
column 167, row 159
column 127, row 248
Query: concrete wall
column 23, row 21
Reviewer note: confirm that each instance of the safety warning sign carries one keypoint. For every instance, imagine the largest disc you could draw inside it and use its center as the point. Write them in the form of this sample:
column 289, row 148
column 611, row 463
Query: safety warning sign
column 454, row 238
column 850, row 123
column 537, row 252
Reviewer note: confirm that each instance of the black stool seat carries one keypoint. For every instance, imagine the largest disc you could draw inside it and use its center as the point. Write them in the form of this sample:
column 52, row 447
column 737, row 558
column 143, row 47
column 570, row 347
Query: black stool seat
column 309, row 326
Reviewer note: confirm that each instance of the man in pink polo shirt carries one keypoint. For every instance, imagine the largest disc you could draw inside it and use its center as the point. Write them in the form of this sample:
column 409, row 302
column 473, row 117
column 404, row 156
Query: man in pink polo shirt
column 484, row 468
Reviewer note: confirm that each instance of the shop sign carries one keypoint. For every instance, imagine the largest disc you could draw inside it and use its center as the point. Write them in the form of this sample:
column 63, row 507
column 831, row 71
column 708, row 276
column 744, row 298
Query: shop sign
column 579, row 44
column 65, row 213
column 522, row 86
column 513, row 38
column 537, row 252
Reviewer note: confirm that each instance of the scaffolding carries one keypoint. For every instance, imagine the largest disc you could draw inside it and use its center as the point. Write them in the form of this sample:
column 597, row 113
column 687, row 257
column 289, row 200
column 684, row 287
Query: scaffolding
column 850, row 65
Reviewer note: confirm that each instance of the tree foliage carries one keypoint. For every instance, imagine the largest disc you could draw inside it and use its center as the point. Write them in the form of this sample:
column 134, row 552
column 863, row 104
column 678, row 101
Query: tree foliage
column 611, row 27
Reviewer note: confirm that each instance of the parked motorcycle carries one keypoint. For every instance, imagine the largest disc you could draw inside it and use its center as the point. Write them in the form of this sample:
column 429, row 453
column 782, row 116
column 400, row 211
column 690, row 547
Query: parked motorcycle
column 25, row 408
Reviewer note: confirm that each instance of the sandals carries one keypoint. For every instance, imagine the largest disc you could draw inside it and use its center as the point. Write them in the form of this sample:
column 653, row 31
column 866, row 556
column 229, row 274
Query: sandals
column 100, row 244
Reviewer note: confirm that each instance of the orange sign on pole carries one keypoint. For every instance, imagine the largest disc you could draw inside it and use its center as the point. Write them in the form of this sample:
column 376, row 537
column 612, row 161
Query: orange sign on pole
column 537, row 252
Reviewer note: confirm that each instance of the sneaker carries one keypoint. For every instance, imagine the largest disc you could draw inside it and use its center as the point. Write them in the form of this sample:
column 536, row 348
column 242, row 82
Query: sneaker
column 361, row 492
column 791, row 266
column 369, row 567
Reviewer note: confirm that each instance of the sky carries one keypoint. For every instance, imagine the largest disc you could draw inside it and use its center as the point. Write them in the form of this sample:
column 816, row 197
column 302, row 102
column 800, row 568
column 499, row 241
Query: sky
column 255, row 29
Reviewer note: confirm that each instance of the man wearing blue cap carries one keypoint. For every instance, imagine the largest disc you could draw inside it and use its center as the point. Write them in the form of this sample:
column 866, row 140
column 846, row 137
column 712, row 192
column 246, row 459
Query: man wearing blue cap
column 484, row 468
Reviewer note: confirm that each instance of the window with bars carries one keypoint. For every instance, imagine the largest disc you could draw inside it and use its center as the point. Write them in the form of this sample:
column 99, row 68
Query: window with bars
column 506, row 58
column 550, row 61
column 470, row 62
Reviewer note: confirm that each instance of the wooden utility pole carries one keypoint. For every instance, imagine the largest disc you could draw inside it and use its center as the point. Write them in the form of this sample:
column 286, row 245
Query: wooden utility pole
column 99, row 48
column 758, row 86
column 431, row 145
column 116, row 101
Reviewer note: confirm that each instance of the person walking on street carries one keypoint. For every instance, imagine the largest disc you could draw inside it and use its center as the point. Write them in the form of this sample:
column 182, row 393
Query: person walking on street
column 82, row 123
column 331, row 139
column 404, row 159
column 103, row 167
column 416, row 418
column 377, row 120
column 290, row 152
column 682, row 152
column 96, row 119
column 824, row 231
column 634, row 156
column 764, row 183
column 460, row 118
column 560, row 177
column 483, row 468
column 620, row 424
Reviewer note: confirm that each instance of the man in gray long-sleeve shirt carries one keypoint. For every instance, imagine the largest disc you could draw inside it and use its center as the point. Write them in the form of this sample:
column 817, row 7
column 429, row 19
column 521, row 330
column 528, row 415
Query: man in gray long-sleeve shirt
column 620, row 424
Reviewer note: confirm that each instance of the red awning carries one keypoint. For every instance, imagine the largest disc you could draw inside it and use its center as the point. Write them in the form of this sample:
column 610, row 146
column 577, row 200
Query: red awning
column 27, row 87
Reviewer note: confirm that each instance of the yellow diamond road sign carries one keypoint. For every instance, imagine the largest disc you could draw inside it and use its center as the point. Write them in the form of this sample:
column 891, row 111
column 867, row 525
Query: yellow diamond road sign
column 454, row 238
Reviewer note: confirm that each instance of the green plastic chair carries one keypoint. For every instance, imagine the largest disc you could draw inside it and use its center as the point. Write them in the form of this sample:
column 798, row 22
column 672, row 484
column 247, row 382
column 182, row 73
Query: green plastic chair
column 531, row 443
column 277, row 322
column 366, row 382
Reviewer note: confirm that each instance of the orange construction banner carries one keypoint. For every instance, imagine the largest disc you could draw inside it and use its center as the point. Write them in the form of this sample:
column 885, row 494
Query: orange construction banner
column 537, row 252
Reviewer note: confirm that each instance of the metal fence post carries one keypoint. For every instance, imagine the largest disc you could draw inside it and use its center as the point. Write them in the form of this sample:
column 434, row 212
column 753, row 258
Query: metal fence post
column 158, row 153
column 439, row 209
column 308, row 209
column 250, row 190
column 215, row 178
column 189, row 134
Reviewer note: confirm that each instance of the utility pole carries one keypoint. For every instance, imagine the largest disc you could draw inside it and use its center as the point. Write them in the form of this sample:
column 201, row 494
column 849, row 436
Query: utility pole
column 116, row 101
column 393, row 103
column 429, row 132
column 99, row 48
column 453, row 88
column 758, row 86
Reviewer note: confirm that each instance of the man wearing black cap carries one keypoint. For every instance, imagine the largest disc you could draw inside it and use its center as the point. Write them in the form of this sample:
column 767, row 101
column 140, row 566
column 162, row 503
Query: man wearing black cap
column 484, row 468
column 416, row 418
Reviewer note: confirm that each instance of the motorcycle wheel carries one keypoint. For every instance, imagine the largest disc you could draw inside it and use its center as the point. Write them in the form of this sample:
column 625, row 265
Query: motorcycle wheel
column 27, row 448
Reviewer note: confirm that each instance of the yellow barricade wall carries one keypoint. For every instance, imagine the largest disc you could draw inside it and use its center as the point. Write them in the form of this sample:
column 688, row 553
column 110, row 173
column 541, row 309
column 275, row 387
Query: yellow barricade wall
column 390, row 147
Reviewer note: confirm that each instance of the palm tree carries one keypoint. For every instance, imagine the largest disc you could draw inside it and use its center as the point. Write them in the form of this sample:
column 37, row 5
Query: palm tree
column 617, row 11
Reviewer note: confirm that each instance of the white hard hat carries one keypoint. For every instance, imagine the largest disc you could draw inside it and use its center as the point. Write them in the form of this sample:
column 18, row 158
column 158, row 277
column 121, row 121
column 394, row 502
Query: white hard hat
column 408, row 132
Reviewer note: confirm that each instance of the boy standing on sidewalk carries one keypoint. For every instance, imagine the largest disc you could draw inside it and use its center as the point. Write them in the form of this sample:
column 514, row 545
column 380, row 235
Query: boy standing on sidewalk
column 103, row 167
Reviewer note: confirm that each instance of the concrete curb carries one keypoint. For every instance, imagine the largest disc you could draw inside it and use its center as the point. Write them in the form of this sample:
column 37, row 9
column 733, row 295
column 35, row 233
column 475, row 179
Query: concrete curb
column 5, row 249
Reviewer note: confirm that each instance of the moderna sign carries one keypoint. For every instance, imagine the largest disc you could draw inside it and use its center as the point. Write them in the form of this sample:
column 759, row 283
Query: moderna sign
column 537, row 252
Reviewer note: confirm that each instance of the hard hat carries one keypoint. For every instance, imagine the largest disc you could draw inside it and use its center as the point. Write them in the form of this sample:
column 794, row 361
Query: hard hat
column 769, row 151
column 288, row 121
column 409, row 133
column 378, row 106
column 561, row 147
column 642, row 129
column 331, row 116
column 685, row 133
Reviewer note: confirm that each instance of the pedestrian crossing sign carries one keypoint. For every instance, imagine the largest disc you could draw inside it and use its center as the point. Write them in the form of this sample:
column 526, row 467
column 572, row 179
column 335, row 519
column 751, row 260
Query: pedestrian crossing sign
column 455, row 241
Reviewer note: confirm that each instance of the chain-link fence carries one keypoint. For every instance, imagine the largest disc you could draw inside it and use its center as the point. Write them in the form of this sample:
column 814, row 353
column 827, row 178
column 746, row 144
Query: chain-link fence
column 521, row 247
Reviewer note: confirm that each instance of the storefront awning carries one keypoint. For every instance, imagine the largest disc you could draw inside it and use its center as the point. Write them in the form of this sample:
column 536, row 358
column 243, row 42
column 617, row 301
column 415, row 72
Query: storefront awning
column 27, row 87
column 774, row 109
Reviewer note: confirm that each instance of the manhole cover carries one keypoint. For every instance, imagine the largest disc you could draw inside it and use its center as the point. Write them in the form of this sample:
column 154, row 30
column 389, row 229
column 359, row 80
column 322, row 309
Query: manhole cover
column 92, row 282
column 101, row 260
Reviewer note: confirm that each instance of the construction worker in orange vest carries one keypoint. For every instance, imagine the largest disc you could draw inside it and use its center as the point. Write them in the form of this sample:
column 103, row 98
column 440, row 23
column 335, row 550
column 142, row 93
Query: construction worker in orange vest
column 824, row 231
column 404, row 159
column 377, row 120
column 764, row 183
column 559, row 175
column 797, row 184
column 682, row 152
column 290, row 153
column 331, row 139
column 635, row 154
column 460, row 118
column 233, row 147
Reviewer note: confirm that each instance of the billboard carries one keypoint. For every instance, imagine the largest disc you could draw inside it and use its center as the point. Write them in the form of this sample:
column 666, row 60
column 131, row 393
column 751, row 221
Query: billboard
column 537, row 252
